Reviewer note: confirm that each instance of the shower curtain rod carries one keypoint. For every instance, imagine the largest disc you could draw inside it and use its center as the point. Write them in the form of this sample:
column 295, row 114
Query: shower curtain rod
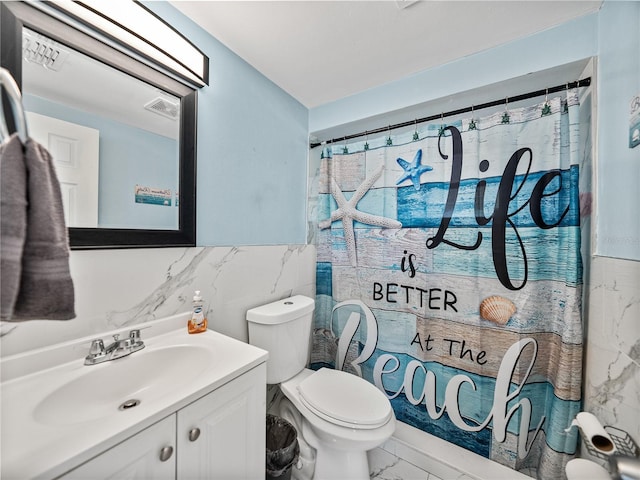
column 585, row 82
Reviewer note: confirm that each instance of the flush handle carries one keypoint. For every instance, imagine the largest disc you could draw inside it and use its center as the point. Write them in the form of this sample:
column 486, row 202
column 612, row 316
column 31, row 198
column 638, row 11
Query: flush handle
column 165, row 453
column 194, row 433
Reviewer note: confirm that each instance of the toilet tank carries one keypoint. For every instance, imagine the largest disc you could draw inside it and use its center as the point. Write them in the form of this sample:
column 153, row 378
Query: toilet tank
column 283, row 328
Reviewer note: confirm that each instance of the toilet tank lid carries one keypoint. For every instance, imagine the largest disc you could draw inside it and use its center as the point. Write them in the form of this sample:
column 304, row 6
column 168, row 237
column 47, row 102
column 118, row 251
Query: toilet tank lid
column 281, row 311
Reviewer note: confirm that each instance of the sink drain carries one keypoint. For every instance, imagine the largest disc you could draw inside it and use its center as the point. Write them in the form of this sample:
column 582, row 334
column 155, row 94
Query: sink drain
column 129, row 404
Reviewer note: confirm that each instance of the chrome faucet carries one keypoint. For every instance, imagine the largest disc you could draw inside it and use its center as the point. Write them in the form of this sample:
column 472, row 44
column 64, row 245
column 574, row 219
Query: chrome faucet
column 119, row 348
column 624, row 467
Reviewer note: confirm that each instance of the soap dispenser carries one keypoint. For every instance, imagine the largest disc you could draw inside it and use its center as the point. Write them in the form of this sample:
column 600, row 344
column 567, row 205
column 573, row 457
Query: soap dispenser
column 198, row 322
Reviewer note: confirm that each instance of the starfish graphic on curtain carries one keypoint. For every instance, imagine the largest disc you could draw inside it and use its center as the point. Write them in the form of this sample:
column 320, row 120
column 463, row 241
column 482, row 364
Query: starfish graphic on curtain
column 413, row 170
column 348, row 213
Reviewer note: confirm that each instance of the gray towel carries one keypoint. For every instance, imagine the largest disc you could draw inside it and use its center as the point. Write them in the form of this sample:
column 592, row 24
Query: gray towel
column 32, row 201
column 13, row 221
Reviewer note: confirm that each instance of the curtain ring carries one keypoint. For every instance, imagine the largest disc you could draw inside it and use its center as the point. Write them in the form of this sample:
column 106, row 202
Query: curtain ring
column 506, row 118
column 442, row 128
column 472, row 123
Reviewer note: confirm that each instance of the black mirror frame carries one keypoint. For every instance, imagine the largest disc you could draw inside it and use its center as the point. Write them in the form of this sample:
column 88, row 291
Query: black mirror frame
column 16, row 15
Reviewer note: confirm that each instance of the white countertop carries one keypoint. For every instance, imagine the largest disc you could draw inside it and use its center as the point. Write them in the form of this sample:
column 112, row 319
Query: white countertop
column 31, row 448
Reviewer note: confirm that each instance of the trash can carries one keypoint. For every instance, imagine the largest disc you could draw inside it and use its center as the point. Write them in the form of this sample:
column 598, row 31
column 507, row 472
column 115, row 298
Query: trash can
column 282, row 448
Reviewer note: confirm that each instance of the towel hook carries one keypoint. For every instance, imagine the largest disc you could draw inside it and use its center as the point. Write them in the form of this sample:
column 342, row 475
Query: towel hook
column 13, row 92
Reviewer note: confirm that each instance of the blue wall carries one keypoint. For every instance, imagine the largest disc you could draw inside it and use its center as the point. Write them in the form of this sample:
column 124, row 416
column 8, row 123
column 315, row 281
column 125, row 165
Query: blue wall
column 618, row 179
column 252, row 136
column 252, row 150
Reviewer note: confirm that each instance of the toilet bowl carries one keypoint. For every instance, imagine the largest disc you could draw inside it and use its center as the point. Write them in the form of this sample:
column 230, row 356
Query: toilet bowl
column 341, row 417
column 338, row 416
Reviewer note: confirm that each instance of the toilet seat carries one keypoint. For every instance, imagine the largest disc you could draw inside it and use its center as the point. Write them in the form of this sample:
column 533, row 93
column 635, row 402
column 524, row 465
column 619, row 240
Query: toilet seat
column 344, row 399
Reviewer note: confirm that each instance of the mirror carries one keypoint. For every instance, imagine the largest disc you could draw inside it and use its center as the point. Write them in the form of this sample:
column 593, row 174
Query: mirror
column 134, row 126
column 115, row 148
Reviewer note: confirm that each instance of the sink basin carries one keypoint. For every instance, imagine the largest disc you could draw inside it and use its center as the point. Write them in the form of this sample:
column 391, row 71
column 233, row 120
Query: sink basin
column 121, row 385
column 57, row 413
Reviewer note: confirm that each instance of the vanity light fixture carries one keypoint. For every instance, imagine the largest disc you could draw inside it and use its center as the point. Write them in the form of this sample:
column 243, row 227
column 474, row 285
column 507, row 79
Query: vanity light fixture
column 132, row 24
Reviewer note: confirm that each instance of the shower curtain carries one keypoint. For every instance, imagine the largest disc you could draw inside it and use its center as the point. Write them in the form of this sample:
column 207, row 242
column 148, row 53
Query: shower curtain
column 449, row 275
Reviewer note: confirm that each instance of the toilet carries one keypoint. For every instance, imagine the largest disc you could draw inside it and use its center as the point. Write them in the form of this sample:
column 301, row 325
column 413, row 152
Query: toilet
column 338, row 416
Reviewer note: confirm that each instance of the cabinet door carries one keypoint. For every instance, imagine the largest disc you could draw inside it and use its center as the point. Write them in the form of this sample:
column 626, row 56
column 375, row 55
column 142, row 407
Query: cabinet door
column 222, row 435
column 138, row 457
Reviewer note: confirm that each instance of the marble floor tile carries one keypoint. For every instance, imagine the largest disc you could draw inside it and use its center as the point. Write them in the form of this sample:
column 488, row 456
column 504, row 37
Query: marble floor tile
column 386, row 466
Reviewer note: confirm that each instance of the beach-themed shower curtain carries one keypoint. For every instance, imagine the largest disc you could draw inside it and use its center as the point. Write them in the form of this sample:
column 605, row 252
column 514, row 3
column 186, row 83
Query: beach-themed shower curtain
column 449, row 275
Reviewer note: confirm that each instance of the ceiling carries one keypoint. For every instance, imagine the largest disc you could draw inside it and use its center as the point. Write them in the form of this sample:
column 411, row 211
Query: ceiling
column 78, row 81
column 322, row 51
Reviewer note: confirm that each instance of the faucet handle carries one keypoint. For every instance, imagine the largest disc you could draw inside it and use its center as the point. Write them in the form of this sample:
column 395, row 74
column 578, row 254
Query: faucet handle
column 136, row 341
column 97, row 347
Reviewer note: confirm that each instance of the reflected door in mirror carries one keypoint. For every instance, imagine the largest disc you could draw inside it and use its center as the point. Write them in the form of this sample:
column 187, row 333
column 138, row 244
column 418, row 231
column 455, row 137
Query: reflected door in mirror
column 75, row 151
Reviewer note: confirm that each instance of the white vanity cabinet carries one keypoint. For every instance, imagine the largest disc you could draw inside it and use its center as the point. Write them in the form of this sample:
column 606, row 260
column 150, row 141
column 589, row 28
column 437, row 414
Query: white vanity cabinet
column 222, row 435
column 219, row 436
column 201, row 398
column 138, row 457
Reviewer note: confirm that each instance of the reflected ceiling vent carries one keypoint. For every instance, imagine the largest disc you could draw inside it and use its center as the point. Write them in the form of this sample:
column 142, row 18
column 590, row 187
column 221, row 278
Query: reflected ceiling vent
column 164, row 107
column 42, row 51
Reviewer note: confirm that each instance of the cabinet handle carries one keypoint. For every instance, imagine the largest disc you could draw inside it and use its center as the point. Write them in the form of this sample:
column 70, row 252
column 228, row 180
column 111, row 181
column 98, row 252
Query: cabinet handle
column 165, row 453
column 194, row 433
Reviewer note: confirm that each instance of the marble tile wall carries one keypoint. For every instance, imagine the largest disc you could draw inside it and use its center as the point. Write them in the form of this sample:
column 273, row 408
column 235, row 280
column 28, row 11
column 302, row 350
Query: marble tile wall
column 612, row 360
column 116, row 288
